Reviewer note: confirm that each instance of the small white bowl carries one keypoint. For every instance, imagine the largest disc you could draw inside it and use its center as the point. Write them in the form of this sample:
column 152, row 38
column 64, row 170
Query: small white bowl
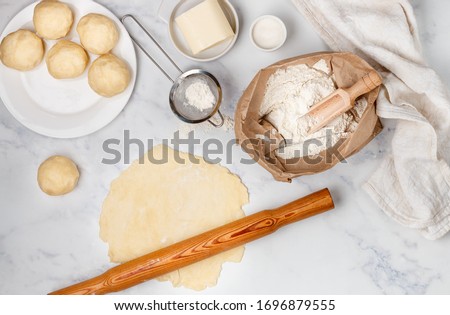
column 278, row 42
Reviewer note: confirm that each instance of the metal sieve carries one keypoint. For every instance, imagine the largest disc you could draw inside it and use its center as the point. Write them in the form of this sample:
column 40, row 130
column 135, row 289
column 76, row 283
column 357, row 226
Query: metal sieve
column 177, row 99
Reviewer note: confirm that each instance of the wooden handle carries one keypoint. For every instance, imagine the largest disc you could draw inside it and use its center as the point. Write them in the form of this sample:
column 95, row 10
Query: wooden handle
column 364, row 85
column 339, row 102
column 327, row 110
column 202, row 246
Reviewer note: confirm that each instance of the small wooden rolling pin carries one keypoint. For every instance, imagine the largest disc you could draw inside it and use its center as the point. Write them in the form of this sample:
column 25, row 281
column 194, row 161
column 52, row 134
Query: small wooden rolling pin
column 202, row 246
column 340, row 101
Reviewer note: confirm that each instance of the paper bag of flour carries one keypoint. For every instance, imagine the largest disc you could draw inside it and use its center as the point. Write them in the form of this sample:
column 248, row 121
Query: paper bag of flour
column 261, row 140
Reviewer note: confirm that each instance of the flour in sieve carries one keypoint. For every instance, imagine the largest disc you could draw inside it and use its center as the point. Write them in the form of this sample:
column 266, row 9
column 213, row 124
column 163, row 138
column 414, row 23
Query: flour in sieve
column 289, row 95
column 199, row 95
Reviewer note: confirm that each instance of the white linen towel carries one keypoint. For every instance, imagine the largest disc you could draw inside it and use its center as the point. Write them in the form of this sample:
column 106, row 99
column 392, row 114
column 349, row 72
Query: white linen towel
column 413, row 184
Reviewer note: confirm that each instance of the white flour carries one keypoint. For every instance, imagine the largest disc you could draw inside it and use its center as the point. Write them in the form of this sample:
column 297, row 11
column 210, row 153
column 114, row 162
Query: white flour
column 290, row 93
column 199, row 95
column 205, row 127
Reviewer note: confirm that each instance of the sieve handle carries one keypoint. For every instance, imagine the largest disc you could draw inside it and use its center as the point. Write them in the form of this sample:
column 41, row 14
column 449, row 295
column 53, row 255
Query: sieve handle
column 222, row 120
column 133, row 18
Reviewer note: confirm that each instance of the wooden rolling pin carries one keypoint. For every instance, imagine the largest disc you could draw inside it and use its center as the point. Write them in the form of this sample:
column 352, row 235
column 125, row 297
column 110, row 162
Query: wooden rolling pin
column 340, row 101
column 202, row 246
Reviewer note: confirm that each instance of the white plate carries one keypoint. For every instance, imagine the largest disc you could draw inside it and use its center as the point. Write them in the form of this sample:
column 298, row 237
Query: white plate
column 170, row 9
column 63, row 108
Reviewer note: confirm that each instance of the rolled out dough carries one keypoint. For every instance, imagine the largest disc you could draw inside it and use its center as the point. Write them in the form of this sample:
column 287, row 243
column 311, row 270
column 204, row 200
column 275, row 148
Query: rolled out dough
column 153, row 205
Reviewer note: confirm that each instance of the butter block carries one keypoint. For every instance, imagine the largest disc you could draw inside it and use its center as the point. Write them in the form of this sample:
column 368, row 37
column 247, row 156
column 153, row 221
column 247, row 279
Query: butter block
column 204, row 26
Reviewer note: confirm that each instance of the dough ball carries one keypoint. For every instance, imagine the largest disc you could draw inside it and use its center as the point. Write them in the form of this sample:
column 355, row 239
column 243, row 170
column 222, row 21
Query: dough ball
column 109, row 76
column 22, row 50
column 52, row 19
column 66, row 60
column 58, row 176
column 98, row 33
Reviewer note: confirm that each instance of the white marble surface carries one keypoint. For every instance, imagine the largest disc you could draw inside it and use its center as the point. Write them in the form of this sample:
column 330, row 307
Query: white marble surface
column 47, row 243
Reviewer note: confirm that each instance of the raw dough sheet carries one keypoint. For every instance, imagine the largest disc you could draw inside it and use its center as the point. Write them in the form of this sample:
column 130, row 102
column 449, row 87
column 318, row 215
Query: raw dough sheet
column 153, row 205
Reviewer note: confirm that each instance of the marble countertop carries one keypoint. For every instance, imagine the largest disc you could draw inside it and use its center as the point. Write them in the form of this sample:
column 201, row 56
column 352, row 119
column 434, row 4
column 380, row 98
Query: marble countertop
column 47, row 243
